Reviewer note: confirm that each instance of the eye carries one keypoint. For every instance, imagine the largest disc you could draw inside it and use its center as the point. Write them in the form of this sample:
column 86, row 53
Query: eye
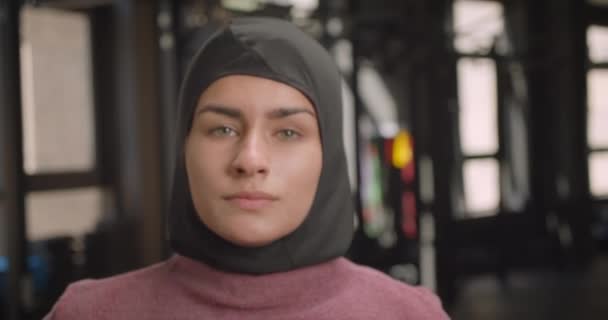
column 222, row 131
column 288, row 134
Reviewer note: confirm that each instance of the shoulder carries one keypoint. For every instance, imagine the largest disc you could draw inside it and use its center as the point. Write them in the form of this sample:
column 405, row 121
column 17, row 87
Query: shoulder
column 92, row 298
column 396, row 297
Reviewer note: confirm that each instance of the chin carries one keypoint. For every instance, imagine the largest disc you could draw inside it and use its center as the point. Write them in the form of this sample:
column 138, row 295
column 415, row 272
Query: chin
column 248, row 230
column 251, row 236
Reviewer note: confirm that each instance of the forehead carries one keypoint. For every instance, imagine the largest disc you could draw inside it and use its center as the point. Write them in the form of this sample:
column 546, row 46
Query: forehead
column 254, row 92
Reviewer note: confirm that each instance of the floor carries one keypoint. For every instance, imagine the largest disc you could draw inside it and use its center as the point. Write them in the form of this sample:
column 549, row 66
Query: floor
column 537, row 295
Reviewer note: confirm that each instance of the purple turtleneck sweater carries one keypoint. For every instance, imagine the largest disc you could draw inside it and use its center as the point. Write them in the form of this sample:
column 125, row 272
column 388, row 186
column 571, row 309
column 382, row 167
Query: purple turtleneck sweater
column 181, row 288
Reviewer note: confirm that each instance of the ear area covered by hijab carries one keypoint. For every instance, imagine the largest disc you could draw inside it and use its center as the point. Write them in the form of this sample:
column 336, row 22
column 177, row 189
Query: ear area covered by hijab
column 273, row 49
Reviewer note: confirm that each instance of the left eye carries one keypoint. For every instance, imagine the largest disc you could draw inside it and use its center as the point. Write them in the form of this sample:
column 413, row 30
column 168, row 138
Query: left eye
column 222, row 131
column 288, row 134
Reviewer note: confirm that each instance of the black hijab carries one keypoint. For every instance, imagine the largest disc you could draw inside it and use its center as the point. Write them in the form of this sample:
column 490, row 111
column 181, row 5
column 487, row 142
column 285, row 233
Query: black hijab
column 277, row 50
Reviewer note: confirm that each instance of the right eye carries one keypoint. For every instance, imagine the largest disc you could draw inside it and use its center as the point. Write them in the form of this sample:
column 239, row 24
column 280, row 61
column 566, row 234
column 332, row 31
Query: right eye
column 222, row 131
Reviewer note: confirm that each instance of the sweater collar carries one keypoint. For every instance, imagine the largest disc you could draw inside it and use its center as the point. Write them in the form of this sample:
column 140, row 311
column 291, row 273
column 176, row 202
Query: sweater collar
column 303, row 287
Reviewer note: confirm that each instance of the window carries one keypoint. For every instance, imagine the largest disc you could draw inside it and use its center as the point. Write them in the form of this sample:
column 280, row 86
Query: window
column 477, row 100
column 481, row 186
column 597, row 41
column 477, row 24
column 60, row 213
column 478, row 27
column 57, row 115
column 58, row 124
column 598, row 173
column 597, row 110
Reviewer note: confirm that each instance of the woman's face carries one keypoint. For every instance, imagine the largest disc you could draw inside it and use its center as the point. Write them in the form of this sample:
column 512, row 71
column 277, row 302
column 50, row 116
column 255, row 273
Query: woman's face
column 253, row 158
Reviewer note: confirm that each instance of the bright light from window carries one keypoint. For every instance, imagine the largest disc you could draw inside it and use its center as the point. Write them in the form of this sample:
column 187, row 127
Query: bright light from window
column 597, row 113
column 597, row 41
column 481, row 189
column 57, row 115
column 378, row 99
column 300, row 8
column 348, row 133
column 307, row 5
column 63, row 213
column 598, row 174
column 477, row 24
column 477, row 100
column 241, row 5
column 342, row 52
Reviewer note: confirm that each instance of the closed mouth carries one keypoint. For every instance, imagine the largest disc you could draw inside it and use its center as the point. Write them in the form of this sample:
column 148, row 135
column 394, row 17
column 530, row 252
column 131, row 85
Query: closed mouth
column 250, row 201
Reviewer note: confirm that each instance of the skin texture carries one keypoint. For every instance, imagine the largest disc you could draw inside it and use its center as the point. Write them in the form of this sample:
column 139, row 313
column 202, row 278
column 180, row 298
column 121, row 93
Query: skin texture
column 253, row 158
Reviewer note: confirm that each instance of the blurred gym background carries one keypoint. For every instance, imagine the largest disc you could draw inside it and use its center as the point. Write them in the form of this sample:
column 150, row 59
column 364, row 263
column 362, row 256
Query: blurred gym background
column 477, row 134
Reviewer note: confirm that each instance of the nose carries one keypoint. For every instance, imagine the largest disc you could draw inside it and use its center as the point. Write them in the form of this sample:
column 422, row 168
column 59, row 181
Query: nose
column 251, row 157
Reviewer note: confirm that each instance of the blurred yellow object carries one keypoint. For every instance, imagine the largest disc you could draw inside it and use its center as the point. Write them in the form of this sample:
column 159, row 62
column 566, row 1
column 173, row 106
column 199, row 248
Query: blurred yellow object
column 402, row 150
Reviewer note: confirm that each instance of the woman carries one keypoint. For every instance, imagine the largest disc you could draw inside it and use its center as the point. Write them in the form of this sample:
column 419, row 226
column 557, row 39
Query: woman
column 261, row 212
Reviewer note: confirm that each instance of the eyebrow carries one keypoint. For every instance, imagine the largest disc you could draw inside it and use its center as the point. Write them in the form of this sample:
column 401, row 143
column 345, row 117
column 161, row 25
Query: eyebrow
column 286, row 112
column 223, row 110
column 234, row 113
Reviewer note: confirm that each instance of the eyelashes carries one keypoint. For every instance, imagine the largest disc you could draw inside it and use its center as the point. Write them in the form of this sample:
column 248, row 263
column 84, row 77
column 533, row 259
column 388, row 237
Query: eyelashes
column 289, row 134
column 286, row 134
column 222, row 131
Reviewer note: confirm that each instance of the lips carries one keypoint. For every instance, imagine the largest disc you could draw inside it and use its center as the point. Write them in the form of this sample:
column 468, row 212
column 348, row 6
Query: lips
column 250, row 201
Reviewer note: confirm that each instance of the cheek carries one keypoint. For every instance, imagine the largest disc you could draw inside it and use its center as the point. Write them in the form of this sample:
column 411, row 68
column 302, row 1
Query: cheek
column 303, row 178
column 302, row 170
column 201, row 168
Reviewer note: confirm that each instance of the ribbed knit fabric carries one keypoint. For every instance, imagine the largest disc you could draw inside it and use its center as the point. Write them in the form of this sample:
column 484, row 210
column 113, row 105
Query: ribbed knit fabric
column 181, row 288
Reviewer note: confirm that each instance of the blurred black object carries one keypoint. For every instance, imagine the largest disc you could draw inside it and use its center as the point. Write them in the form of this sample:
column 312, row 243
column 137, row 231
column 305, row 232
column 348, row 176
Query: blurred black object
column 56, row 262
